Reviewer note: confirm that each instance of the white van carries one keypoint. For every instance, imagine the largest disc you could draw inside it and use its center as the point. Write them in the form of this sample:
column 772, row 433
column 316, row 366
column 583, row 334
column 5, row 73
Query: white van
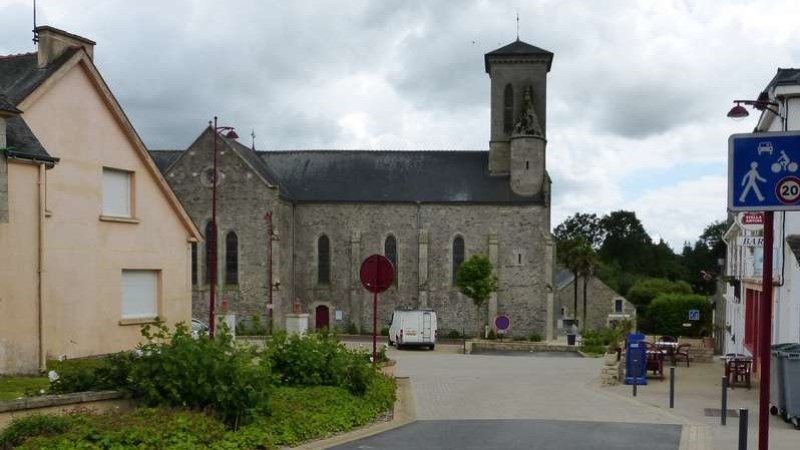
column 415, row 327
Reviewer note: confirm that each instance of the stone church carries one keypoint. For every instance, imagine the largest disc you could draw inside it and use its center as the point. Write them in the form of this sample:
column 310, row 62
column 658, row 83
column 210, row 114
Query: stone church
column 312, row 216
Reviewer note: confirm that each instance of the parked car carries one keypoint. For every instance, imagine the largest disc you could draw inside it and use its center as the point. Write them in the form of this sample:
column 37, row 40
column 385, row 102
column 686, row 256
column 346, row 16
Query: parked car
column 199, row 327
column 415, row 327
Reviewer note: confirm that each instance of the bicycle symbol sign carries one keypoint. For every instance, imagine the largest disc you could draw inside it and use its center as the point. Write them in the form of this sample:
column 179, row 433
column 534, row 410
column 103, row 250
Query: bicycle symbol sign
column 764, row 172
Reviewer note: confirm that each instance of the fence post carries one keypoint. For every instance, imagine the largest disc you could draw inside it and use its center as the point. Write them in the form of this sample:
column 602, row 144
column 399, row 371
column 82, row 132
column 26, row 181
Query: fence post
column 671, row 387
column 743, row 424
column 723, row 416
column 634, row 388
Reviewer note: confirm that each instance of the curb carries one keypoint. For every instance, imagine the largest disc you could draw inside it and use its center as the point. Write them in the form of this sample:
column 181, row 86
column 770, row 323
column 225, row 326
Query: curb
column 694, row 435
column 403, row 414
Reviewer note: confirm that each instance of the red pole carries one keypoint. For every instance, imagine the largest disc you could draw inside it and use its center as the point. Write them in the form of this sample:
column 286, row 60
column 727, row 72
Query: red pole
column 213, row 243
column 765, row 334
column 270, row 312
column 374, row 328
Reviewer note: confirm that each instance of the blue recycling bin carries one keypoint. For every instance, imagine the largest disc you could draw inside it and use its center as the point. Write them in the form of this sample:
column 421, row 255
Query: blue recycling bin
column 636, row 360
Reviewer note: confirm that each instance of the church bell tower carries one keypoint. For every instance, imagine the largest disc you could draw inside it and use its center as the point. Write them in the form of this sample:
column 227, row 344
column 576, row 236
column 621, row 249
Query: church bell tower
column 518, row 74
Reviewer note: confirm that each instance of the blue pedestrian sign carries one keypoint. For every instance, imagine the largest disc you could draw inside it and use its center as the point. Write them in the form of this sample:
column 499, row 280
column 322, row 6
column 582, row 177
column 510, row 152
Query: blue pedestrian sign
column 763, row 172
column 694, row 315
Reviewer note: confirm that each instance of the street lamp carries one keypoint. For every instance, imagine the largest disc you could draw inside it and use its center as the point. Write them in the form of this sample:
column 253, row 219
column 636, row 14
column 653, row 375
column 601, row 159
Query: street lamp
column 212, row 322
column 761, row 103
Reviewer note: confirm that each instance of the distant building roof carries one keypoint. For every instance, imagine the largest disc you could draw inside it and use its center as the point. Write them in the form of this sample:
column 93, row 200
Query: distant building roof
column 164, row 158
column 783, row 77
column 518, row 48
column 372, row 176
column 391, row 176
column 564, row 278
column 6, row 106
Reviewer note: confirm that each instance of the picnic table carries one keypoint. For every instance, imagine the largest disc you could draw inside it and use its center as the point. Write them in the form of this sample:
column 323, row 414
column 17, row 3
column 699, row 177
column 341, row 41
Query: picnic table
column 673, row 349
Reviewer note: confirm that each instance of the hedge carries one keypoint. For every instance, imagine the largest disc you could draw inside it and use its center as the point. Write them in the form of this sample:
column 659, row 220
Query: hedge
column 668, row 313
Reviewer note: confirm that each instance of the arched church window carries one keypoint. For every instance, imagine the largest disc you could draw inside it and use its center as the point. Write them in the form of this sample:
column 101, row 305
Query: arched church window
column 231, row 258
column 323, row 260
column 209, row 243
column 390, row 251
column 458, row 255
column 508, row 109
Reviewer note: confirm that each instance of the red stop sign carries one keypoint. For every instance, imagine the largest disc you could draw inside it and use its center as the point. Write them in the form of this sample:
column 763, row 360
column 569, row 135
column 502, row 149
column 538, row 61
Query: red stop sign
column 377, row 273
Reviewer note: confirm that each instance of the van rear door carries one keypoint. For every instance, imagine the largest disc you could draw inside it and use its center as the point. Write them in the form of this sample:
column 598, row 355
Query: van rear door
column 427, row 325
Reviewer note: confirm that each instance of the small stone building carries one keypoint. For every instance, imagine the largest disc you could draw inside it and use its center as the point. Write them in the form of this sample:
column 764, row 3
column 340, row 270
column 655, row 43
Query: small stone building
column 313, row 216
column 604, row 306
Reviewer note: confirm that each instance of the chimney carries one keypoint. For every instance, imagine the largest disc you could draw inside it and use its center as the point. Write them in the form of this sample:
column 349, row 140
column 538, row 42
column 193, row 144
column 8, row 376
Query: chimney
column 53, row 43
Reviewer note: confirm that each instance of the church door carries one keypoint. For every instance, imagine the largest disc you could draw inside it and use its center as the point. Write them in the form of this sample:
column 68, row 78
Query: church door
column 322, row 317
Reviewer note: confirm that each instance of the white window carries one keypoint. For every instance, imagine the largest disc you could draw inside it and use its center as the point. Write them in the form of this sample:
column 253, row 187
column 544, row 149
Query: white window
column 116, row 193
column 139, row 294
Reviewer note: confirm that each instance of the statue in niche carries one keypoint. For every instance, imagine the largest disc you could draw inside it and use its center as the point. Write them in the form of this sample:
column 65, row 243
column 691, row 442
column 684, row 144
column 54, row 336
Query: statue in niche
column 528, row 123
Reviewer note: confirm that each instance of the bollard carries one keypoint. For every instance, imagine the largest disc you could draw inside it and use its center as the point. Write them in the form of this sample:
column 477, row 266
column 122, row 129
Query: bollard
column 671, row 387
column 723, row 416
column 743, row 423
column 634, row 389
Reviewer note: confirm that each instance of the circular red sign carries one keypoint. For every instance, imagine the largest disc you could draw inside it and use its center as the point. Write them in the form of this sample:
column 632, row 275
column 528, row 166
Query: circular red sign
column 788, row 190
column 377, row 273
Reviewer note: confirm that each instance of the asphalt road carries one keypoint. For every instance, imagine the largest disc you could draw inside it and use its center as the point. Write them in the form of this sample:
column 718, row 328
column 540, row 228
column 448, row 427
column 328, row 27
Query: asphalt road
column 523, row 434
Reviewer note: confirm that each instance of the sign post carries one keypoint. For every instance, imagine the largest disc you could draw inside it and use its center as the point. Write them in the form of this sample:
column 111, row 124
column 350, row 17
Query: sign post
column 377, row 274
column 763, row 176
column 501, row 324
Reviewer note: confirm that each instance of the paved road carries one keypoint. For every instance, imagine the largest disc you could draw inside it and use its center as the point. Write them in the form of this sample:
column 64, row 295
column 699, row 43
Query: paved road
column 522, row 434
column 515, row 402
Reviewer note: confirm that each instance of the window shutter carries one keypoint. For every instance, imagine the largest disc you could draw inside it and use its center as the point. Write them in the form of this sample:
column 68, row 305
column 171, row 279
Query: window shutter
column 116, row 193
column 139, row 293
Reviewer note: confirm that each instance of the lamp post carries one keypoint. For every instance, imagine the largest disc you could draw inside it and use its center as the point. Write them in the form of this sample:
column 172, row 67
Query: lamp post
column 212, row 320
column 765, row 308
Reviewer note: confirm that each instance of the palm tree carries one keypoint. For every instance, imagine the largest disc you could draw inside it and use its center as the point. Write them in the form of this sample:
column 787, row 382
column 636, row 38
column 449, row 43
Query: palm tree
column 568, row 255
column 586, row 260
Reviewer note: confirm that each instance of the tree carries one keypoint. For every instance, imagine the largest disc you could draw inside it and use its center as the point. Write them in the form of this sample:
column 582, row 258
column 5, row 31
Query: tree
column 476, row 280
column 625, row 242
column 586, row 261
column 702, row 259
column 586, row 226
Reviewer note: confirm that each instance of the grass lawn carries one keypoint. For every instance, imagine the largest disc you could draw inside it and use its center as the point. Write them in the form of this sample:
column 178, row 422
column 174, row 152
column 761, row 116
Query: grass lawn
column 297, row 414
column 15, row 387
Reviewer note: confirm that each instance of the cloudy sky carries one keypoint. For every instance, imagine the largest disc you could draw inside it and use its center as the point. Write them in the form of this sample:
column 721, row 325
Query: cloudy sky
column 637, row 94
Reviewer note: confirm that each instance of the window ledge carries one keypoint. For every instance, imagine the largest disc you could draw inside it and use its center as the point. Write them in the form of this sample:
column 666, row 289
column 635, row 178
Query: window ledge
column 138, row 321
column 119, row 219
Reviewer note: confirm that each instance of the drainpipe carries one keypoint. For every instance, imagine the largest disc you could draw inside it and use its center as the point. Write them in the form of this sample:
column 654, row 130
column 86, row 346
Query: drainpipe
column 41, row 183
column 270, row 306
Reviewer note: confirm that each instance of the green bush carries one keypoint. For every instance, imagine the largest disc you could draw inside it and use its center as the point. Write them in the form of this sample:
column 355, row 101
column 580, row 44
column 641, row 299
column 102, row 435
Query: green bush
column 453, row 334
column 535, row 337
column 253, row 327
column 318, row 360
column 492, row 335
column 351, row 328
column 669, row 312
column 385, row 331
column 296, row 415
column 199, row 372
column 645, row 291
column 30, row 426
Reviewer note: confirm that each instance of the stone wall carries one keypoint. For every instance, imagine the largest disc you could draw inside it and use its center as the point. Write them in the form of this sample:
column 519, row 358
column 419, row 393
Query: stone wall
column 515, row 237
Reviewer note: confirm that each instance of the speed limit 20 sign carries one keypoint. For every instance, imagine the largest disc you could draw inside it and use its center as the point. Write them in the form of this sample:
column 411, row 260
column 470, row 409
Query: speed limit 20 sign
column 788, row 190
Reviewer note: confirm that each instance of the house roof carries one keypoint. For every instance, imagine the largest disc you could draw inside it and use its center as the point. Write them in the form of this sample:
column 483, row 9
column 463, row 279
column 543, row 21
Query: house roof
column 519, row 49
column 783, row 77
column 564, row 278
column 391, row 176
column 20, row 75
column 6, row 106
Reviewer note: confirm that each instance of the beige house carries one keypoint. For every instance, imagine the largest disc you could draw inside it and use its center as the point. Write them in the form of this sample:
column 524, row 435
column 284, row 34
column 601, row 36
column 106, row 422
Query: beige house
column 83, row 262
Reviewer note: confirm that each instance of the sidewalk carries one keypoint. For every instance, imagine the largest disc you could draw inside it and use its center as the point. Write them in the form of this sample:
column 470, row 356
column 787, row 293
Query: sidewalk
column 698, row 388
